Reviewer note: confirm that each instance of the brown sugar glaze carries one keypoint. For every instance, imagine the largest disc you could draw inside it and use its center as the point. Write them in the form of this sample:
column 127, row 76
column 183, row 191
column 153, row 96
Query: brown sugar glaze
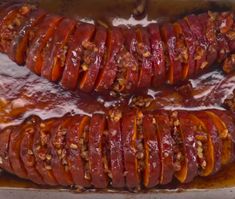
column 23, row 93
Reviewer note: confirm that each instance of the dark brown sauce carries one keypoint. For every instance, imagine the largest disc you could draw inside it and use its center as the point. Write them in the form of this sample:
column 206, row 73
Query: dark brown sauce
column 23, row 94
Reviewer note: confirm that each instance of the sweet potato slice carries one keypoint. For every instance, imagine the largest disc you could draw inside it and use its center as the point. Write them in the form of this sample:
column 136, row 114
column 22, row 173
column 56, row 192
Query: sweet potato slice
column 77, row 149
column 189, row 167
column 158, row 56
column 10, row 25
column 95, row 55
column 58, row 153
column 19, row 44
column 115, row 147
column 76, row 43
column 183, row 50
column 144, row 52
column 110, row 65
column 26, row 152
column 214, row 145
column 209, row 30
column 44, row 34
column 175, row 67
column 14, row 151
column 152, row 171
column 4, row 149
column 96, row 162
column 165, row 141
column 228, row 136
column 183, row 27
column 129, row 135
column 201, row 50
column 42, row 153
column 54, row 54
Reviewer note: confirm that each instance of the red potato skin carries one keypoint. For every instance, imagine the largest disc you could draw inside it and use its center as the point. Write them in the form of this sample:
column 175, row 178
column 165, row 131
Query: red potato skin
column 189, row 142
column 175, row 67
column 97, row 127
column 19, row 44
column 109, row 71
column 40, row 150
column 116, row 153
column 44, row 32
column 158, row 57
column 145, row 71
column 129, row 128
column 75, row 162
column 202, row 45
column 26, row 153
column 130, row 43
column 215, row 140
column 72, row 68
column 54, row 56
column 152, row 153
column 56, row 143
column 87, row 82
column 4, row 149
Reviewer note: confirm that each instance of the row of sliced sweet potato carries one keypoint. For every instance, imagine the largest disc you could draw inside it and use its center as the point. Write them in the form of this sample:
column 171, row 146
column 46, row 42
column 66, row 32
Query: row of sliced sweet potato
column 120, row 149
column 121, row 59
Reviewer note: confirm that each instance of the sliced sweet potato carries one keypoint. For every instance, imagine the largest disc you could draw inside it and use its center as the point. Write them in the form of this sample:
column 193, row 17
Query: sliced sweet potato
column 83, row 34
column 10, row 25
column 14, row 151
column 129, row 135
column 201, row 50
column 4, row 150
column 228, row 135
column 26, row 152
column 54, row 54
column 175, row 67
column 95, row 55
column 158, row 56
column 152, row 171
column 189, row 167
column 189, row 37
column 209, row 30
column 129, row 60
column 165, row 141
column 18, row 47
column 96, row 155
column 58, row 153
column 144, row 52
column 214, row 145
column 77, row 150
column 115, row 147
column 110, row 65
column 44, row 33
column 183, row 50
column 42, row 153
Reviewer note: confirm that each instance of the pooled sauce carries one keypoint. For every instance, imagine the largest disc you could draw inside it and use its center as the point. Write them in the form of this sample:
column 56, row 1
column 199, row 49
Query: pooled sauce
column 23, row 94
